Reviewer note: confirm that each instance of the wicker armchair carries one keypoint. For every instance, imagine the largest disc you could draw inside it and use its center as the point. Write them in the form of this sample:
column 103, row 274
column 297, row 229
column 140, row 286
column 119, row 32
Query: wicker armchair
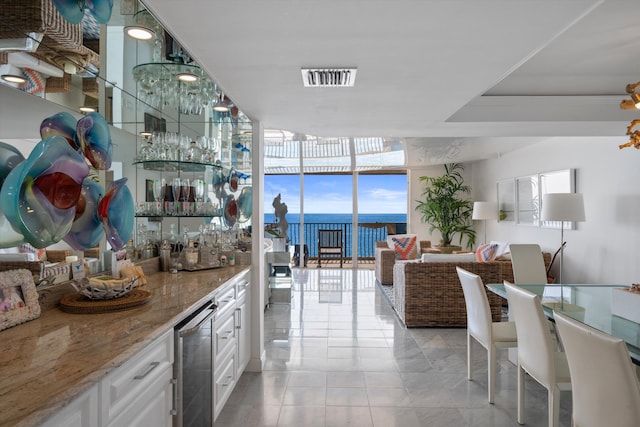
column 385, row 258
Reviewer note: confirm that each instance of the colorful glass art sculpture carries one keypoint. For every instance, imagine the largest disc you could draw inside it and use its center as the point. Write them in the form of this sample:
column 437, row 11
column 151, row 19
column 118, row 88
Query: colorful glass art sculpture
column 245, row 204
column 95, row 140
column 115, row 210
column 62, row 124
column 39, row 195
column 73, row 10
column 87, row 230
column 10, row 157
column 230, row 211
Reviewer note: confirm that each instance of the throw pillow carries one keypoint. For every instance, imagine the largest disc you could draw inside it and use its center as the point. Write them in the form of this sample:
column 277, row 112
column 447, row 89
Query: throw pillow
column 486, row 252
column 34, row 254
column 405, row 247
column 503, row 247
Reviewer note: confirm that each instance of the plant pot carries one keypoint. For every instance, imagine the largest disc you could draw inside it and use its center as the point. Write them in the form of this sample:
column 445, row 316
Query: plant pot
column 448, row 249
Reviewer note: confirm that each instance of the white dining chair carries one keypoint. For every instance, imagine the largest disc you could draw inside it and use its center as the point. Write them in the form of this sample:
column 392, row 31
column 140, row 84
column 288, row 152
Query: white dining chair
column 480, row 326
column 537, row 353
column 528, row 265
column 605, row 387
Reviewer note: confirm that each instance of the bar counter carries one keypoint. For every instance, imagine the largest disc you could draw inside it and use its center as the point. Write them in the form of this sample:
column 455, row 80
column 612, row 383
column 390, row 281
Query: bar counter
column 46, row 362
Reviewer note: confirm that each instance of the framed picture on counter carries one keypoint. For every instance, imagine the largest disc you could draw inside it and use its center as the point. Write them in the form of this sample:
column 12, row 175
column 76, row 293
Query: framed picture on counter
column 18, row 298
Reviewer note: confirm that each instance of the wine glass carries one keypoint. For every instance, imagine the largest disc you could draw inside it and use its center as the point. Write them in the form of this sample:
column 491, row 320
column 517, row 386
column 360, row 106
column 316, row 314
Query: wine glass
column 185, row 192
column 158, row 194
column 199, row 187
column 175, row 189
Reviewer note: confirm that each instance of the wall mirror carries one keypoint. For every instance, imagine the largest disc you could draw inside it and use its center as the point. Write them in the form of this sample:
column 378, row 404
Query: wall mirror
column 526, row 192
column 561, row 181
column 135, row 88
column 506, row 200
column 528, row 200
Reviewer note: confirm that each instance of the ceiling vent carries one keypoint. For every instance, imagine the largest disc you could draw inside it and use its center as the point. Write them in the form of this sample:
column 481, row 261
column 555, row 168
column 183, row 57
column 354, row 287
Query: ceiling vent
column 329, row 77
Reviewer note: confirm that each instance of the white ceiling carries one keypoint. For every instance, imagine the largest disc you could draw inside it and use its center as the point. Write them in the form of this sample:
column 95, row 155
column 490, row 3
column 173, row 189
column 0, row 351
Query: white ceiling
column 481, row 75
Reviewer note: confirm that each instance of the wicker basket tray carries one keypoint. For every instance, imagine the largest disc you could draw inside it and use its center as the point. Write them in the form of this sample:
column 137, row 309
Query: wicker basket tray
column 77, row 304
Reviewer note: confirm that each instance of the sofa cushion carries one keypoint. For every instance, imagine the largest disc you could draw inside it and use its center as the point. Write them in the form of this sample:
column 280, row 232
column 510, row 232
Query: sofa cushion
column 486, row 252
column 404, row 245
column 468, row 257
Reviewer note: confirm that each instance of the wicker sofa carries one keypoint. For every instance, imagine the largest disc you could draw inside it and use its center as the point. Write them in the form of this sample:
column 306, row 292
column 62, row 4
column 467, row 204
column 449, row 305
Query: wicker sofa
column 429, row 294
column 385, row 259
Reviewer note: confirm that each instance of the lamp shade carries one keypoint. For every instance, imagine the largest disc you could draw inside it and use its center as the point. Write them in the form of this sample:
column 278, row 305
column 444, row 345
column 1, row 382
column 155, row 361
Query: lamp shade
column 485, row 210
column 562, row 207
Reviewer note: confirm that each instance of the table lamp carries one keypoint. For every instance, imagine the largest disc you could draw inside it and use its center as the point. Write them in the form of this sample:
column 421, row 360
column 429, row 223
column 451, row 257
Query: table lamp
column 483, row 211
column 562, row 207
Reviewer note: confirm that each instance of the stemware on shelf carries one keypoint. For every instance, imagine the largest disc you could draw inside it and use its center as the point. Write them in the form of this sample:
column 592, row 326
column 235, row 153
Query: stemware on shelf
column 158, row 194
column 175, row 189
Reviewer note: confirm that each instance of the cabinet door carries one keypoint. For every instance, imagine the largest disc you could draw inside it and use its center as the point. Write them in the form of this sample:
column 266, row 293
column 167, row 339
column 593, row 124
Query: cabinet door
column 152, row 407
column 133, row 379
column 82, row 412
column 243, row 324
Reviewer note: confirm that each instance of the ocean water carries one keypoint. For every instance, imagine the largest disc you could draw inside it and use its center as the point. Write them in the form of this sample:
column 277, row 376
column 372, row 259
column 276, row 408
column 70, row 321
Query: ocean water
column 368, row 231
column 270, row 218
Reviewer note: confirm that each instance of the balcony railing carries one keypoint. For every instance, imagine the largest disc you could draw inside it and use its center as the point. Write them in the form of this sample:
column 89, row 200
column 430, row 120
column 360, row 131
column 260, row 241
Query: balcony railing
column 368, row 234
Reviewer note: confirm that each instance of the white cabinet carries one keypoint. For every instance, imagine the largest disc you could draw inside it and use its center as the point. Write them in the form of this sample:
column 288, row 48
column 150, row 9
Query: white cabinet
column 126, row 391
column 82, row 412
column 243, row 325
column 152, row 407
column 138, row 393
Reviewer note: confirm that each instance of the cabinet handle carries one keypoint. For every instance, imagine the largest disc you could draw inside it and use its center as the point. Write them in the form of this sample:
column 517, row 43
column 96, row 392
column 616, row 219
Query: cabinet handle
column 229, row 379
column 174, row 411
column 239, row 318
column 152, row 366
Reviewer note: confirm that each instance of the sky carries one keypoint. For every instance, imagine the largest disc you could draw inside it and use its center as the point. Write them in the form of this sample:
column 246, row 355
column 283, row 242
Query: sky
column 332, row 193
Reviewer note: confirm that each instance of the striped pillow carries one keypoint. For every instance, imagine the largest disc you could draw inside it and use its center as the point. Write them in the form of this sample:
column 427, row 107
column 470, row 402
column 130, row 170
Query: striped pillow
column 486, row 252
column 405, row 247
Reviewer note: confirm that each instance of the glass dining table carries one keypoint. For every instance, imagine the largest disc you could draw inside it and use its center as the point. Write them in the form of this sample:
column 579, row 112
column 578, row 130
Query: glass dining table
column 589, row 304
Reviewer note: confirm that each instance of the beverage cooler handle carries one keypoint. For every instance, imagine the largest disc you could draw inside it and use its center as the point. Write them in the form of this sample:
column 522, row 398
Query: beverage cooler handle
column 193, row 330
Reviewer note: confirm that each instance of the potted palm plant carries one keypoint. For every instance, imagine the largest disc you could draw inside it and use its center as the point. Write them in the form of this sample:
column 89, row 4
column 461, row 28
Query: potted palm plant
column 444, row 209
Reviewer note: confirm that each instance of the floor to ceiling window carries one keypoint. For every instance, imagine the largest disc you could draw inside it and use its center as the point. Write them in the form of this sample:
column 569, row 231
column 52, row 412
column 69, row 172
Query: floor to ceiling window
column 324, row 181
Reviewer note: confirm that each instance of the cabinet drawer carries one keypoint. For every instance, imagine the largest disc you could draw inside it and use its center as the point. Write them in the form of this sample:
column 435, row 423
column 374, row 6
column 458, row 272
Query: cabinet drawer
column 224, row 382
column 121, row 387
column 226, row 300
column 225, row 333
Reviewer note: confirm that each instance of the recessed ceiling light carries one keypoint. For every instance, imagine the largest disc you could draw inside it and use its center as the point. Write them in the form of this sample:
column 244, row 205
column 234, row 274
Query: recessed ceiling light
column 187, row 77
column 140, row 32
column 87, row 109
column 14, row 78
column 329, row 77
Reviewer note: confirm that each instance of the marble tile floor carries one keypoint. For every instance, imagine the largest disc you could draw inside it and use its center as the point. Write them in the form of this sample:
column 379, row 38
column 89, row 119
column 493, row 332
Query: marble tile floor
column 338, row 356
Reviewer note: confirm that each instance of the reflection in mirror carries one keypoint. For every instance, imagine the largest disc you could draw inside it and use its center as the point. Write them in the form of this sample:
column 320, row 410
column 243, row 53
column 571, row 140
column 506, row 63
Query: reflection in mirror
column 506, row 200
column 561, row 181
column 137, row 90
column 528, row 200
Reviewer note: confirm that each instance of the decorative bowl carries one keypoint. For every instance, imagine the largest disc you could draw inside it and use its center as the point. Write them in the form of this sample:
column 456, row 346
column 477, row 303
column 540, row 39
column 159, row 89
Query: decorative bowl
column 104, row 287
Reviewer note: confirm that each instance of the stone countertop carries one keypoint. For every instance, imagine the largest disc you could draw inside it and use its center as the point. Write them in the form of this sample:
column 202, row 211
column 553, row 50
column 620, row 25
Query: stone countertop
column 48, row 361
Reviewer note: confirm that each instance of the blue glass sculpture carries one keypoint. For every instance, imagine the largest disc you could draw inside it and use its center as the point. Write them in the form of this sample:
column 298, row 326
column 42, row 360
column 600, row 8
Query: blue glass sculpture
column 39, row 195
column 95, row 140
column 87, row 230
column 230, row 211
column 62, row 124
column 245, row 204
column 73, row 10
column 115, row 210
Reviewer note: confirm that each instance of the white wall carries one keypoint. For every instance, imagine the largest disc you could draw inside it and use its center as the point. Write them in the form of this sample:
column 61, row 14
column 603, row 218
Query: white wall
column 604, row 248
column 414, row 191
